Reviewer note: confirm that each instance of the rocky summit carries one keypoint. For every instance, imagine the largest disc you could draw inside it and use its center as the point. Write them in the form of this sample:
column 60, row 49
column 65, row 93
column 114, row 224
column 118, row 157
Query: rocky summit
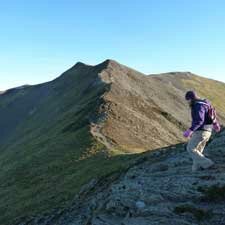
column 103, row 145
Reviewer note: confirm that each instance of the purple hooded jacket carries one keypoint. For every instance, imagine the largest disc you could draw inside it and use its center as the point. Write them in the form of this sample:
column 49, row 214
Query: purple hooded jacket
column 199, row 114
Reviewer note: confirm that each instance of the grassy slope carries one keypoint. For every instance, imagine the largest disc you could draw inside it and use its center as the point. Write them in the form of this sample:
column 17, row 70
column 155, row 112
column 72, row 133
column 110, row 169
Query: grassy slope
column 51, row 153
column 206, row 88
column 211, row 89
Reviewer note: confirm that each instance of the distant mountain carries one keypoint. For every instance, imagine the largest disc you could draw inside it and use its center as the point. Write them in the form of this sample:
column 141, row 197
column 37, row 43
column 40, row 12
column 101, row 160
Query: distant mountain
column 58, row 136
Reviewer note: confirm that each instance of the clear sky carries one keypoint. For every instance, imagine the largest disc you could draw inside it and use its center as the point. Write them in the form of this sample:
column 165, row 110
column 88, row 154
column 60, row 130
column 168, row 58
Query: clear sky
column 41, row 39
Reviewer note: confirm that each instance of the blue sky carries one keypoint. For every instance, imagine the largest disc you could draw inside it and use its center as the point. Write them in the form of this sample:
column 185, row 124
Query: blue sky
column 41, row 39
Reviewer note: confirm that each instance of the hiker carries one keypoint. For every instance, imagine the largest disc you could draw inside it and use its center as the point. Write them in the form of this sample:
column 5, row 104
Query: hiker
column 203, row 122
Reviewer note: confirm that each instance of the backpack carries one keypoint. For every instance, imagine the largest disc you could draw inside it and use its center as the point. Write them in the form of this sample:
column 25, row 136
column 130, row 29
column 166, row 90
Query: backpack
column 212, row 115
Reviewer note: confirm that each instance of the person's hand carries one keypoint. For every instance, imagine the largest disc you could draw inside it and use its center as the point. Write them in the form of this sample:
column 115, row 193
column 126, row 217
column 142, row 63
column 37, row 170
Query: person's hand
column 188, row 133
column 216, row 127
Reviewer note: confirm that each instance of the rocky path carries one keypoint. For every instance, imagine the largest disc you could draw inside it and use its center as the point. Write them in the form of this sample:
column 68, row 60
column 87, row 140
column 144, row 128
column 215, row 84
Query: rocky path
column 96, row 133
column 164, row 190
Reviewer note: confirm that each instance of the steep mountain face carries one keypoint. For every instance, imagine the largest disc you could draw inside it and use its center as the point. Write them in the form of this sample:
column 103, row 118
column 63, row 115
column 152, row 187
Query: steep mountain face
column 58, row 136
column 141, row 115
column 147, row 112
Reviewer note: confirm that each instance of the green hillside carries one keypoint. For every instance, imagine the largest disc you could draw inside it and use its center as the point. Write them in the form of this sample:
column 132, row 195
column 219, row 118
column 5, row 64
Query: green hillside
column 211, row 89
column 205, row 88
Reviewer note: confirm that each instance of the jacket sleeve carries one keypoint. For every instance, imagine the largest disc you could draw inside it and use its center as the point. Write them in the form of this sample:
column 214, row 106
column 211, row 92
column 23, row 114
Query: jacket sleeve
column 198, row 116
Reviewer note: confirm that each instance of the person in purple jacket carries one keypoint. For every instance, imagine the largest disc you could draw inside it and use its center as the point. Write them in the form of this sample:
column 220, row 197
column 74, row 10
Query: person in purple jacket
column 200, row 131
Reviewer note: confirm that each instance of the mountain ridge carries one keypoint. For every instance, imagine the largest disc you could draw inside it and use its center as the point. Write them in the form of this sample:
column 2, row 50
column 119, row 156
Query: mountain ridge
column 113, row 62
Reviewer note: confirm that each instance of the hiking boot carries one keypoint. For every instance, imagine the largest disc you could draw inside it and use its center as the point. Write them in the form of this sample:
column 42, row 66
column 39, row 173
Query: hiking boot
column 211, row 165
column 196, row 167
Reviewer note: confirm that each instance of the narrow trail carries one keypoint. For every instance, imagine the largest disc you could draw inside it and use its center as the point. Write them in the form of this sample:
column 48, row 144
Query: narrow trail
column 96, row 132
